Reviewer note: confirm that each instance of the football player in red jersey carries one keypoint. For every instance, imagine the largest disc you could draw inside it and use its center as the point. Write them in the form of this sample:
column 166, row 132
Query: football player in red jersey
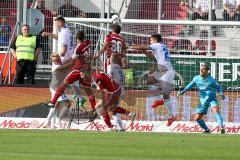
column 80, row 61
column 111, row 92
column 115, row 49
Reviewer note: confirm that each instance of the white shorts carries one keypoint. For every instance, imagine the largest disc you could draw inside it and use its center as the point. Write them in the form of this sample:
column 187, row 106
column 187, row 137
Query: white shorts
column 116, row 72
column 165, row 81
column 167, row 77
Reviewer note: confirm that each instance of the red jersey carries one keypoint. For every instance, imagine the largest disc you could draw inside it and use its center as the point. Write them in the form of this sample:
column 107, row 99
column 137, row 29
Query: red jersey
column 105, row 82
column 82, row 51
column 202, row 45
column 116, row 43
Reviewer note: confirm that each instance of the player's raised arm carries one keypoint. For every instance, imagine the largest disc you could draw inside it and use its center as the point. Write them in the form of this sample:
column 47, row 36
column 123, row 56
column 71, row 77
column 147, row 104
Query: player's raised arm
column 52, row 35
column 146, row 50
column 139, row 47
column 103, row 49
column 188, row 87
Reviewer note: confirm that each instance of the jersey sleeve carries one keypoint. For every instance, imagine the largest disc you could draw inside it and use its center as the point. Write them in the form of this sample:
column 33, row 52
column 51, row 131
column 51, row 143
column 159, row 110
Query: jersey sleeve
column 190, row 85
column 153, row 47
column 108, row 39
column 218, row 88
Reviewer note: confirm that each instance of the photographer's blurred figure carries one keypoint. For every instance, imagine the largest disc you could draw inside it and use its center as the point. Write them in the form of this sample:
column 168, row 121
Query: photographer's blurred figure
column 5, row 30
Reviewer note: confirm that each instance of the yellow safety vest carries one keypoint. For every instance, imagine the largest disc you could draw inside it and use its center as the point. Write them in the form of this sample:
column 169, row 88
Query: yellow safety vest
column 25, row 47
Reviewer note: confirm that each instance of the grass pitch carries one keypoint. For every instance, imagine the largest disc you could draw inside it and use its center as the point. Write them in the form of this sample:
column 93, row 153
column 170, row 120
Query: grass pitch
column 68, row 145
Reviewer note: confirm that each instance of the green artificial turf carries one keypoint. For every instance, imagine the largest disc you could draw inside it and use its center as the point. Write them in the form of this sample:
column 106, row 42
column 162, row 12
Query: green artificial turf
column 67, row 145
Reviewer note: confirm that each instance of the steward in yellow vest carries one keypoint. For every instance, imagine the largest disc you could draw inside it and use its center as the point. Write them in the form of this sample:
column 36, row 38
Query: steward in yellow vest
column 25, row 48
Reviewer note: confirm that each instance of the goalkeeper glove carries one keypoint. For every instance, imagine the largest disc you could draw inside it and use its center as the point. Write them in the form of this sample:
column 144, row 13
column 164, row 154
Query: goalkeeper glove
column 222, row 96
column 180, row 93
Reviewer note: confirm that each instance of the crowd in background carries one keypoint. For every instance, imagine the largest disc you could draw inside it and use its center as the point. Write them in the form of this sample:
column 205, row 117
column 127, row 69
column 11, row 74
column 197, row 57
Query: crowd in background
column 198, row 9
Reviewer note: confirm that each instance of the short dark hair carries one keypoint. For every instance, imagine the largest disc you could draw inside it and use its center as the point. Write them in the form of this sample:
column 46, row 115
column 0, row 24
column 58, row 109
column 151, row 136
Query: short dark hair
column 157, row 36
column 116, row 28
column 26, row 25
column 80, row 35
column 60, row 18
column 206, row 67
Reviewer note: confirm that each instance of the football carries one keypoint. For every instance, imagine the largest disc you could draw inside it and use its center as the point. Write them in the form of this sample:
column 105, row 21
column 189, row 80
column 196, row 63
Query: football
column 116, row 19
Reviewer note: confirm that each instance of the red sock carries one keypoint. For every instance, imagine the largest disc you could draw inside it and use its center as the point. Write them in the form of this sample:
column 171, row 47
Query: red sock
column 121, row 110
column 92, row 101
column 58, row 93
column 106, row 119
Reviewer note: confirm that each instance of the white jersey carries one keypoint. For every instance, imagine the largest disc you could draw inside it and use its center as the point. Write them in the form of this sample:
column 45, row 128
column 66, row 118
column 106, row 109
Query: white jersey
column 65, row 38
column 161, row 54
column 203, row 5
column 232, row 4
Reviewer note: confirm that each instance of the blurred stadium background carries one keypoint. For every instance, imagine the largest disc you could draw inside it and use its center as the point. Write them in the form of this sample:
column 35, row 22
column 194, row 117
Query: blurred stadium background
column 191, row 43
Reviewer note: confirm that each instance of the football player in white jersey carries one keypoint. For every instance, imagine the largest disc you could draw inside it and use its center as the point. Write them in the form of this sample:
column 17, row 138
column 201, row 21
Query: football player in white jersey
column 65, row 50
column 161, row 81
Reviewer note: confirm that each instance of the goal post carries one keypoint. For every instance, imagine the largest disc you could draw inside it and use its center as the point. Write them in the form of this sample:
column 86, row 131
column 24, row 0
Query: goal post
column 186, row 59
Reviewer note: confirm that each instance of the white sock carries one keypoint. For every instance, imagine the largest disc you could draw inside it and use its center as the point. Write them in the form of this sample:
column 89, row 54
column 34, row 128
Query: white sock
column 62, row 112
column 58, row 121
column 168, row 105
column 54, row 117
column 50, row 115
column 98, row 112
column 118, row 120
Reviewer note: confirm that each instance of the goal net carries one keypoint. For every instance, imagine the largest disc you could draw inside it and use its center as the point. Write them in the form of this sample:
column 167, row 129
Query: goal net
column 188, row 52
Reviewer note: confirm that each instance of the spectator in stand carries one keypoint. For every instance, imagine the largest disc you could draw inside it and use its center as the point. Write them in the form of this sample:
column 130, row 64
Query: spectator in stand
column 184, row 3
column 25, row 48
column 201, row 45
column 68, row 10
column 231, row 10
column 5, row 30
column 201, row 10
column 47, row 28
column 181, row 45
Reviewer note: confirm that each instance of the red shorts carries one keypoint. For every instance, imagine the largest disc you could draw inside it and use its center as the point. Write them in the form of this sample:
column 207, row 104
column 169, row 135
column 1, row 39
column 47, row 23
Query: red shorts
column 74, row 75
column 112, row 98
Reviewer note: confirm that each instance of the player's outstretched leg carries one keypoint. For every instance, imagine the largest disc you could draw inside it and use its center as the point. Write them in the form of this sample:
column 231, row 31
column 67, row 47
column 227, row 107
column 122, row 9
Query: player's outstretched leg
column 58, row 93
column 219, row 119
column 66, row 104
column 168, row 105
column 121, row 110
column 159, row 101
column 220, row 122
column 90, row 94
column 50, row 115
column 118, row 120
column 107, row 121
column 201, row 123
